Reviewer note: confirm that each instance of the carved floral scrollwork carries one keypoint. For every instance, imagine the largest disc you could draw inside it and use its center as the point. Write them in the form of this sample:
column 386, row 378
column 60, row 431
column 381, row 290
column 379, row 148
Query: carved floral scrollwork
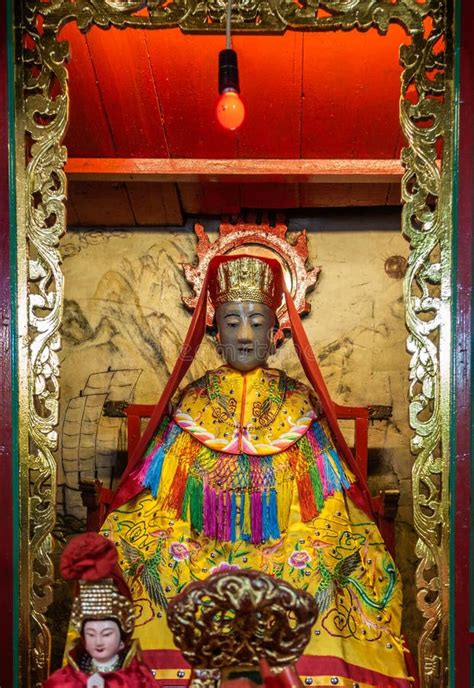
column 45, row 121
column 233, row 618
column 426, row 117
column 250, row 15
column 426, row 193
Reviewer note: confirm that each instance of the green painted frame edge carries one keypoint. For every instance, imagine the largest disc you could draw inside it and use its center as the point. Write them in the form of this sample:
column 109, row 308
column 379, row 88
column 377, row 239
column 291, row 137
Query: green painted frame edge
column 13, row 337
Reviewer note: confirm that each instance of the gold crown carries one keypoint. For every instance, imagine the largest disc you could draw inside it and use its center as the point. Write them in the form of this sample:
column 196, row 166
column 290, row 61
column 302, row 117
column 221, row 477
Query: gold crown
column 244, row 279
column 101, row 600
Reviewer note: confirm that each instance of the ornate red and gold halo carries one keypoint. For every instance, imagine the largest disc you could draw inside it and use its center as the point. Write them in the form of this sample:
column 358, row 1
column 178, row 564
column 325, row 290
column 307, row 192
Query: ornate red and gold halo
column 259, row 239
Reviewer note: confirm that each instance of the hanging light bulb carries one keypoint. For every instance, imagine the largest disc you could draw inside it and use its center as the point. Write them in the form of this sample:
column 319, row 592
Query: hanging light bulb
column 230, row 109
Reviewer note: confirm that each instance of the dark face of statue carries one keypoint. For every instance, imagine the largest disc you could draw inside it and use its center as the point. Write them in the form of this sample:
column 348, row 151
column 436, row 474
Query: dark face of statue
column 245, row 334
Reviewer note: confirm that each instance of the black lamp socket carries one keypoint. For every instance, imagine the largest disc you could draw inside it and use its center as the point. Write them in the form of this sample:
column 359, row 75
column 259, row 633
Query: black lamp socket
column 228, row 71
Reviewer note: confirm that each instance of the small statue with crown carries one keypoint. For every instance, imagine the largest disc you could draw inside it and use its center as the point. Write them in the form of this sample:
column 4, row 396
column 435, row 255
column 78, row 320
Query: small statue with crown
column 105, row 654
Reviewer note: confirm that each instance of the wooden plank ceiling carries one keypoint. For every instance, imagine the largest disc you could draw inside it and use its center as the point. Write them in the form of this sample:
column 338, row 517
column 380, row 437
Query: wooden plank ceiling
column 151, row 94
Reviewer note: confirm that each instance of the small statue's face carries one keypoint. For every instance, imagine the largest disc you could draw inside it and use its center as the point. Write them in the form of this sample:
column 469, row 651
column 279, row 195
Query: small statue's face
column 245, row 334
column 102, row 639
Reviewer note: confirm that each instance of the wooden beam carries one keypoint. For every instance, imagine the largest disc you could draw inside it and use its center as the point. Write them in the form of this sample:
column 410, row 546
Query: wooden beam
column 154, row 204
column 255, row 171
column 101, row 204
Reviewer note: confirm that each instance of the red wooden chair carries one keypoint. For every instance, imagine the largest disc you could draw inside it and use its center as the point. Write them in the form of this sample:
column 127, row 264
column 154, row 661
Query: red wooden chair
column 386, row 502
column 95, row 497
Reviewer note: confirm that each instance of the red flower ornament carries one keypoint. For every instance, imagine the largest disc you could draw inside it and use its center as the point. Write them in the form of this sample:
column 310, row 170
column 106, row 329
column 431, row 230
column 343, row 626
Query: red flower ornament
column 89, row 557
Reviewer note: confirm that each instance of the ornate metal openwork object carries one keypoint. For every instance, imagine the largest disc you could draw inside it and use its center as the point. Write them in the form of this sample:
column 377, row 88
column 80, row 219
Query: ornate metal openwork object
column 426, row 111
column 258, row 239
column 234, row 618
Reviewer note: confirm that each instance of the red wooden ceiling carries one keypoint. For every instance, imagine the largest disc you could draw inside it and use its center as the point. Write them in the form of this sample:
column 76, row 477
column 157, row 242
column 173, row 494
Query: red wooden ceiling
column 309, row 95
column 152, row 94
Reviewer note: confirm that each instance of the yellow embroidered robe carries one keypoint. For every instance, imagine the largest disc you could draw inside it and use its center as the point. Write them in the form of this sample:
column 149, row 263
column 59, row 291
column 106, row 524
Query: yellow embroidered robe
column 246, row 475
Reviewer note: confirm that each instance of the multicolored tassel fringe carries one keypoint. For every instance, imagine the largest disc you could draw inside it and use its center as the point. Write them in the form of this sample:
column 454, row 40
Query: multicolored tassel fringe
column 228, row 497
column 149, row 474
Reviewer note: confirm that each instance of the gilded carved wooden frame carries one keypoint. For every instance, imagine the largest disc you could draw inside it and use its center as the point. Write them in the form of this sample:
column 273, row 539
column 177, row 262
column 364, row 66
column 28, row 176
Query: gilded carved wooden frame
column 426, row 117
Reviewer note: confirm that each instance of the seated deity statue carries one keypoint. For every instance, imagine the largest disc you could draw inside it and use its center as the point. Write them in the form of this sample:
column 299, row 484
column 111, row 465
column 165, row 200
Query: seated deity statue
column 251, row 470
column 104, row 655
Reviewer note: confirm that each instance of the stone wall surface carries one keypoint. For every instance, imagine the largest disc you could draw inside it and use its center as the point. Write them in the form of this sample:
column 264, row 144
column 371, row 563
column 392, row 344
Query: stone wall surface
column 124, row 321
